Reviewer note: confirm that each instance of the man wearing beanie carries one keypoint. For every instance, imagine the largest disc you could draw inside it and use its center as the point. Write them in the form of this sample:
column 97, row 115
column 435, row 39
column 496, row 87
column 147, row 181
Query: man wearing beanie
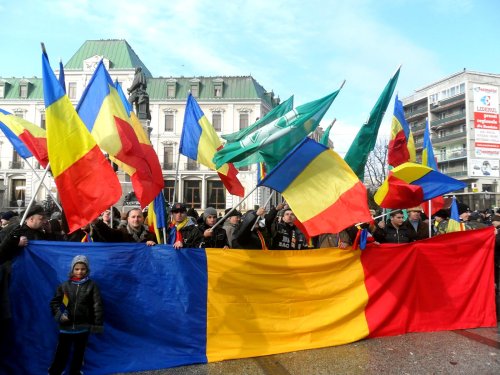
column 212, row 237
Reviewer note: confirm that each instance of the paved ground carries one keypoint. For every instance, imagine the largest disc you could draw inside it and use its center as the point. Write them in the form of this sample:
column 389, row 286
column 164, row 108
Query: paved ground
column 475, row 351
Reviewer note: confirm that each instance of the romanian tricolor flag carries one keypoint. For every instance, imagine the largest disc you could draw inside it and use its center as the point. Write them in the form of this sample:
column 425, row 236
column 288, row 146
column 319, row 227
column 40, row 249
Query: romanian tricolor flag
column 428, row 159
column 410, row 184
column 144, row 142
column 26, row 138
column 454, row 222
column 401, row 145
column 85, row 180
column 102, row 110
column 323, row 192
column 156, row 216
column 204, row 305
column 261, row 171
column 200, row 142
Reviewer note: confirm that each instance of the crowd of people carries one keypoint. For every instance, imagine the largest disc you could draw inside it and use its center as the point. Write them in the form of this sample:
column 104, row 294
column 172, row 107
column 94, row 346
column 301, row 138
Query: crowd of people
column 79, row 313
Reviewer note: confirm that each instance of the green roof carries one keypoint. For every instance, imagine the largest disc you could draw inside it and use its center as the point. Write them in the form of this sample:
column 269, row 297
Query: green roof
column 12, row 88
column 233, row 88
column 117, row 51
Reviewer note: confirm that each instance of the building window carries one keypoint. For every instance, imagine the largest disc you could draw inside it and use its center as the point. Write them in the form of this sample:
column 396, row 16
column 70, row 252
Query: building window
column 42, row 121
column 169, row 122
column 23, row 90
column 168, row 190
column 216, row 194
column 192, row 165
column 243, row 121
column 171, row 90
column 168, row 158
column 192, row 193
column 2, row 90
column 195, row 90
column 72, row 90
column 18, row 193
column 217, row 121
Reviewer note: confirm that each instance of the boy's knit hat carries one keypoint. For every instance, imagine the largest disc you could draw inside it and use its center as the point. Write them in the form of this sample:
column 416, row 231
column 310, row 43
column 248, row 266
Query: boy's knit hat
column 80, row 259
column 209, row 211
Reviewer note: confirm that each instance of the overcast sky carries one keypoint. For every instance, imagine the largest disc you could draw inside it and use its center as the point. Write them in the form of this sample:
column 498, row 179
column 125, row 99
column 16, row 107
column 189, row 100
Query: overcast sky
column 301, row 48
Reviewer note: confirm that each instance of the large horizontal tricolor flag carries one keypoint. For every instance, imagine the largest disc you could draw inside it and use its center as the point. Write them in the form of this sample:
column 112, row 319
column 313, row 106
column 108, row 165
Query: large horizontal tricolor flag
column 321, row 189
column 401, row 145
column 86, row 182
column 26, row 138
column 207, row 305
column 410, row 184
column 103, row 113
column 200, row 142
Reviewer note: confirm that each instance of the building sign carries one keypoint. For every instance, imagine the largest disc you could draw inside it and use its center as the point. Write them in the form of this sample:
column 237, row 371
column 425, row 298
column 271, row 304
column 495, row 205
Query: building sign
column 486, row 122
column 484, row 167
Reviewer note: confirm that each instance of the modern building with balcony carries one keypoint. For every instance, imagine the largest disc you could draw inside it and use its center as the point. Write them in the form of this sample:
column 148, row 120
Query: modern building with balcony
column 230, row 103
column 463, row 114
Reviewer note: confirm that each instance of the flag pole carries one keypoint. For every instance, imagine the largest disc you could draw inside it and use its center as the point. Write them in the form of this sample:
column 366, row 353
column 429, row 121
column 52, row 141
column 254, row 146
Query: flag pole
column 234, row 208
column 265, row 205
column 430, row 217
column 46, row 187
column 176, row 177
column 34, row 195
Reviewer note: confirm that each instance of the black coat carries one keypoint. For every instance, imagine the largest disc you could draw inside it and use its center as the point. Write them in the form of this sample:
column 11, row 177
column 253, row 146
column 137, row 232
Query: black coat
column 84, row 310
column 390, row 234
column 218, row 239
column 9, row 248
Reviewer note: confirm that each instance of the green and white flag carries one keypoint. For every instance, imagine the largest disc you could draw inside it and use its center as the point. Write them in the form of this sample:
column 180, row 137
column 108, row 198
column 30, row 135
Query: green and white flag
column 274, row 141
column 272, row 115
column 365, row 140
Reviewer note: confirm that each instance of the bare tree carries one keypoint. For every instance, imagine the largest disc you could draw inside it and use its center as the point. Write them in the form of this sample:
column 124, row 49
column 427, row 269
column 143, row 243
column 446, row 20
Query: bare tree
column 376, row 169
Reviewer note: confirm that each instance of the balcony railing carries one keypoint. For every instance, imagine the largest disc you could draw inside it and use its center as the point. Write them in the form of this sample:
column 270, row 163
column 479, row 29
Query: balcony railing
column 448, row 137
column 451, row 155
column 446, row 120
column 16, row 165
column 450, row 102
column 170, row 166
column 192, row 166
column 418, row 128
column 416, row 113
column 456, row 174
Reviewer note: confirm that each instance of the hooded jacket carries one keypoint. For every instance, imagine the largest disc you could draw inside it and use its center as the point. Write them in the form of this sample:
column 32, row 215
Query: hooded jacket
column 84, row 307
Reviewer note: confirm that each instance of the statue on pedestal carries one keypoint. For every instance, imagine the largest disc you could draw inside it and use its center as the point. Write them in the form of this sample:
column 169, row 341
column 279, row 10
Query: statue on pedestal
column 139, row 96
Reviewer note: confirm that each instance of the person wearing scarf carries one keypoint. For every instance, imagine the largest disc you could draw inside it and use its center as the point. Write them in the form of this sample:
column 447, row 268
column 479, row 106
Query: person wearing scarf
column 182, row 232
column 136, row 230
column 77, row 307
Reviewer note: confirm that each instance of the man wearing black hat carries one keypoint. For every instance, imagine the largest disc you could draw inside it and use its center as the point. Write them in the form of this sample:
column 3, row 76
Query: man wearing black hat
column 32, row 229
column 182, row 232
column 231, row 224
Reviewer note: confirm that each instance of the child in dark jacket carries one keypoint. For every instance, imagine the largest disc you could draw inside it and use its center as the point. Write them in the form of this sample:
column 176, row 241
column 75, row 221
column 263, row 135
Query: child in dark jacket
column 77, row 307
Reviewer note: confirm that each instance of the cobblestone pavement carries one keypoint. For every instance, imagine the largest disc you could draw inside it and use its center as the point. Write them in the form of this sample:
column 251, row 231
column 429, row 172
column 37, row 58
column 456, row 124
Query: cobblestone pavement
column 474, row 351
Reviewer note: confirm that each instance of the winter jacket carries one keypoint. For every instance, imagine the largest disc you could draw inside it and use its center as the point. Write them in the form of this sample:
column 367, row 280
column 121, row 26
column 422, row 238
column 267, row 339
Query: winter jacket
column 391, row 234
column 284, row 236
column 84, row 309
column 218, row 239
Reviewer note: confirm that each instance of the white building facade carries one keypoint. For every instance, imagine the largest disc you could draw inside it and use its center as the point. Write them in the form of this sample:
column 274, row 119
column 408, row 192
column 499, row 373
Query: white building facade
column 463, row 113
column 229, row 103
